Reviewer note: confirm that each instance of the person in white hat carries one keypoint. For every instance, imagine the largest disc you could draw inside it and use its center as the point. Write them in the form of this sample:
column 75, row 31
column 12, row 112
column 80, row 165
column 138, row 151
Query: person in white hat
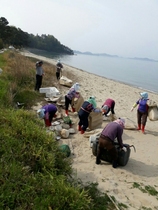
column 72, row 93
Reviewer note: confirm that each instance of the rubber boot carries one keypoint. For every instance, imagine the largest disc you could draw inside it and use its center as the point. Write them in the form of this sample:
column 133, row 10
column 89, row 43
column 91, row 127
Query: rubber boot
column 98, row 161
column 143, row 129
column 139, row 127
column 115, row 164
column 66, row 112
column 73, row 109
column 82, row 131
column 79, row 128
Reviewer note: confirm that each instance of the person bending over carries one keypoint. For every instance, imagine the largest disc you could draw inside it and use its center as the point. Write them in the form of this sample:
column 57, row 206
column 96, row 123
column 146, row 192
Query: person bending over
column 83, row 114
column 108, row 106
column 47, row 113
column 106, row 140
column 72, row 93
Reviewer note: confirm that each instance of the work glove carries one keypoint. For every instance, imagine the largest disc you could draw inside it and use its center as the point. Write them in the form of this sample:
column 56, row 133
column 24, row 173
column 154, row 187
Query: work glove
column 124, row 149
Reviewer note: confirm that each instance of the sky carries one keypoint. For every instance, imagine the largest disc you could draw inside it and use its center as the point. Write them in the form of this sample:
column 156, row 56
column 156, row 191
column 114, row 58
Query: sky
column 127, row 28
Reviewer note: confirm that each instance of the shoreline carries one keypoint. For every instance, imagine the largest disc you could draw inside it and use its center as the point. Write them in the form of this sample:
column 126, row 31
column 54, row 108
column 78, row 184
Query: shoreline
column 141, row 88
column 29, row 54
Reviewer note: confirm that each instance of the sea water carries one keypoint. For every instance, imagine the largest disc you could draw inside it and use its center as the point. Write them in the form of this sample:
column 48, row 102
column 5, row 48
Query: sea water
column 138, row 73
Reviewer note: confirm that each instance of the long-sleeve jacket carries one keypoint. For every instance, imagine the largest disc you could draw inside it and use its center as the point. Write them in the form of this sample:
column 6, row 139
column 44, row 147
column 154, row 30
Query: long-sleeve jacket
column 142, row 105
column 50, row 111
column 87, row 108
column 109, row 102
column 39, row 70
column 72, row 94
column 114, row 130
column 50, row 108
column 59, row 67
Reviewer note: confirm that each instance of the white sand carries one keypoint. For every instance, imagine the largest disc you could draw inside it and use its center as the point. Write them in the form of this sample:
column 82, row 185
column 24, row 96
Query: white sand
column 142, row 167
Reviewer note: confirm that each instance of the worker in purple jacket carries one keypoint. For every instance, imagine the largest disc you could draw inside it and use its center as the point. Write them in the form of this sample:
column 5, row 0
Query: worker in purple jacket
column 106, row 140
column 47, row 113
column 142, row 111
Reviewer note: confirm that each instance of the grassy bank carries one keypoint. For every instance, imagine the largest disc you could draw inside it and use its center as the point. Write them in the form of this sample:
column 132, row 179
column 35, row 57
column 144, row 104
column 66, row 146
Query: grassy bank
column 34, row 173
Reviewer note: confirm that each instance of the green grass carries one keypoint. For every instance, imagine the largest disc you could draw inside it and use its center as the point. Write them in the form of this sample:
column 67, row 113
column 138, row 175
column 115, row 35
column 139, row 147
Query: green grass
column 146, row 189
column 33, row 169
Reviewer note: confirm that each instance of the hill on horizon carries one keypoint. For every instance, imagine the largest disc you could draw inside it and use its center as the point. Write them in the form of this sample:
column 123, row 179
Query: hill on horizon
column 115, row 56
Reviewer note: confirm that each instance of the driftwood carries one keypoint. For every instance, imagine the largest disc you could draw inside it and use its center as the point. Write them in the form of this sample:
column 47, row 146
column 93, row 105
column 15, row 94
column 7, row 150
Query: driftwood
column 113, row 202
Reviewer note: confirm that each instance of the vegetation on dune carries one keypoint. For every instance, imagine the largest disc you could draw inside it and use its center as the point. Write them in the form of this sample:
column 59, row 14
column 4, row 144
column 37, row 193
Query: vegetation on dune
column 146, row 189
column 34, row 173
column 10, row 35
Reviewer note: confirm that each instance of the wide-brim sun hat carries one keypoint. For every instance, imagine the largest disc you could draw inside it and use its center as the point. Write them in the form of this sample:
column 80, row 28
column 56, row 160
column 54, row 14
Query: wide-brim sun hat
column 40, row 113
column 144, row 95
column 76, row 86
column 105, row 108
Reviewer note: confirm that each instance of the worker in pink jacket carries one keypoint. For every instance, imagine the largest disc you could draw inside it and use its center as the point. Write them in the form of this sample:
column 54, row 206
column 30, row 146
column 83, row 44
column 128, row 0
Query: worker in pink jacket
column 108, row 106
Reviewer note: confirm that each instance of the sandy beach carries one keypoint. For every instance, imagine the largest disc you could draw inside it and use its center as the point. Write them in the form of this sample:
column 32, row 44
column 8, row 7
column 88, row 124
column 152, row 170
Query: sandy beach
column 142, row 167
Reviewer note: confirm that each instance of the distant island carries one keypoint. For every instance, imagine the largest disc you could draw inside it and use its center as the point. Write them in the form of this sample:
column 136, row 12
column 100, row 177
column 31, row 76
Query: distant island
column 114, row 56
column 96, row 54
column 144, row 59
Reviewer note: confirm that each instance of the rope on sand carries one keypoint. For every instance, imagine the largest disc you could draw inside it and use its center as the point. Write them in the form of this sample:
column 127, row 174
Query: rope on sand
column 113, row 202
